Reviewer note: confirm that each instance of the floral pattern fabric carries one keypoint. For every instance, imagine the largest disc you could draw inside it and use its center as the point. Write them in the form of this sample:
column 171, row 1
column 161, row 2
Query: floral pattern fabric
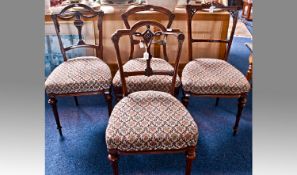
column 142, row 82
column 78, row 75
column 207, row 76
column 150, row 121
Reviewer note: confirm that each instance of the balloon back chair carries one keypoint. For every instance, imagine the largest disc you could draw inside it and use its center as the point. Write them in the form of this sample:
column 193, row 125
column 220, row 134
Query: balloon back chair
column 149, row 122
column 84, row 75
column 214, row 77
column 155, row 82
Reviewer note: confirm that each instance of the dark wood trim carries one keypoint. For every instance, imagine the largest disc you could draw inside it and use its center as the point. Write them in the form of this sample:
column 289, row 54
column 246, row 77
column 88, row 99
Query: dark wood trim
column 246, row 13
column 249, row 74
column 216, row 95
column 125, row 17
column 114, row 68
column 241, row 103
column 76, row 100
column 193, row 9
column 78, row 18
column 53, row 102
column 114, row 151
column 108, row 99
column 233, row 10
column 113, row 156
column 78, row 93
column 147, row 37
column 190, row 156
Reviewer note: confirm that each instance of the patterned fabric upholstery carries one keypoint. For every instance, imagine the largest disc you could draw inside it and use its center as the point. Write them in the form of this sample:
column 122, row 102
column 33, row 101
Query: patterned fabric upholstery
column 150, row 121
column 142, row 82
column 77, row 75
column 206, row 76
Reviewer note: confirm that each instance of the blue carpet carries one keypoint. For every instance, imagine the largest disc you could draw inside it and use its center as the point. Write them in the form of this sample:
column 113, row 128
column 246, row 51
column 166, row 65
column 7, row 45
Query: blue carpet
column 82, row 151
column 248, row 24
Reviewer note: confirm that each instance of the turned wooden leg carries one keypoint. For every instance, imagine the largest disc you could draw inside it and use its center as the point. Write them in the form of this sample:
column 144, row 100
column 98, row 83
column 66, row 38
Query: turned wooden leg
column 190, row 155
column 53, row 102
column 249, row 9
column 76, row 101
column 108, row 99
column 113, row 158
column 241, row 103
column 217, row 101
column 185, row 99
column 249, row 74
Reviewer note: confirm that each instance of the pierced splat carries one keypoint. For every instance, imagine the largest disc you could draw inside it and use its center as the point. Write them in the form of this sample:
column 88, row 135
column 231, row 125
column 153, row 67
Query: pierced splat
column 147, row 37
column 132, row 11
column 77, row 16
column 79, row 24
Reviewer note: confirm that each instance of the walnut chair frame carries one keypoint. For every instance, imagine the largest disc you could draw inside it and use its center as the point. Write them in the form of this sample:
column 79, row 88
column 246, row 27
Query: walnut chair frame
column 249, row 73
column 233, row 10
column 125, row 17
column 147, row 37
column 78, row 16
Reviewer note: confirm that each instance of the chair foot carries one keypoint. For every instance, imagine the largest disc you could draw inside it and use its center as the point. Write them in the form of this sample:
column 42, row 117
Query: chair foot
column 76, row 101
column 190, row 155
column 53, row 102
column 241, row 103
column 113, row 158
column 60, row 131
column 217, row 101
column 108, row 99
column 185, row 99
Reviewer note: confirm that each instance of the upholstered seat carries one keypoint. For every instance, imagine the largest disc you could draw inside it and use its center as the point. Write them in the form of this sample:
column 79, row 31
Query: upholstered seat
column 81, row 74
column 206, row 76
column 142, row 82
column 150, row 120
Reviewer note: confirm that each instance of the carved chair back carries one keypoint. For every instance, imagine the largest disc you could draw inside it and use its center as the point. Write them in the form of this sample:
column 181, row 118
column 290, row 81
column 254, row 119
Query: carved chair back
column 146, row 8
column 147, row 38
column 78, row 17
column 194, row 9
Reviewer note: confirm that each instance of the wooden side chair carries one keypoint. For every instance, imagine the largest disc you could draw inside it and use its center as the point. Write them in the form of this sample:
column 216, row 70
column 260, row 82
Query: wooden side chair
column 247, row 9
column 85, row 75
column 249, row 74
column 214, row 77
column 149, row 122
column 155, row 82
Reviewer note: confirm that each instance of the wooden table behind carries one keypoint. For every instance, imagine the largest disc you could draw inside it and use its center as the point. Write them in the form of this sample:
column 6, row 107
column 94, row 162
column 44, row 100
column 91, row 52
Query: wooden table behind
column 205, row 26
